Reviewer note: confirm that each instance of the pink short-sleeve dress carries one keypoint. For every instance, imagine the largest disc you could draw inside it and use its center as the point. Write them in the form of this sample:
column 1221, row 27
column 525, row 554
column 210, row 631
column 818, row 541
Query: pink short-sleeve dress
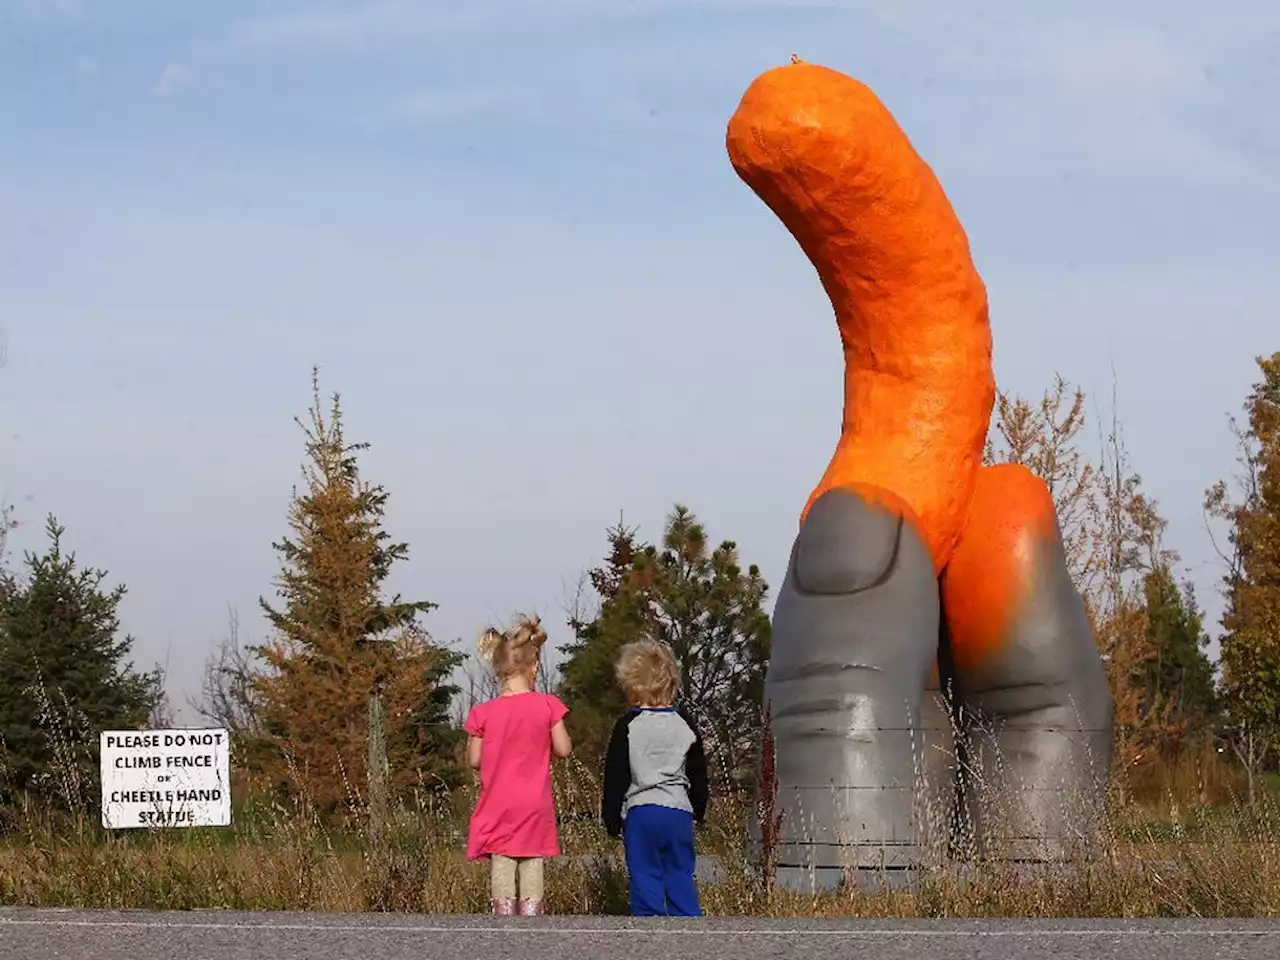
column 515, row 815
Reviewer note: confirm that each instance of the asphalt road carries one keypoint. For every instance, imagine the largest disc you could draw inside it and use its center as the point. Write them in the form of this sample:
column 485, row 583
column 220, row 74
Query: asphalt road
column 131, row 935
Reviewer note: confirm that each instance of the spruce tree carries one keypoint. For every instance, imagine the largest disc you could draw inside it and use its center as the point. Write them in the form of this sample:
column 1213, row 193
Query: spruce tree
column 1177, row 677
column 337, row 640
column 64, row 677
column 710, row 610
column 586, row 674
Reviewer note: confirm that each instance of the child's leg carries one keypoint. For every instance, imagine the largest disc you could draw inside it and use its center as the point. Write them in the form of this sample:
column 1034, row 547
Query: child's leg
column 502, row 879
column 531, row 887
column 679, row 860
column 642, row 843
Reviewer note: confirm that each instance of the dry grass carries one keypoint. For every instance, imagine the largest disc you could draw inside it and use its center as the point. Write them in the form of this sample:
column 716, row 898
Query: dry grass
column 1175, row 857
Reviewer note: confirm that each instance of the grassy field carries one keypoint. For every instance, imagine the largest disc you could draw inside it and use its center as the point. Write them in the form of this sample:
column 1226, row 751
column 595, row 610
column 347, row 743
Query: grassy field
column 1179, row 844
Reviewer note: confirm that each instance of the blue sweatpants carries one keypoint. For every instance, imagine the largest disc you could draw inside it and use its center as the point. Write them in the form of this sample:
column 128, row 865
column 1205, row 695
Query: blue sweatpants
column 660, row 861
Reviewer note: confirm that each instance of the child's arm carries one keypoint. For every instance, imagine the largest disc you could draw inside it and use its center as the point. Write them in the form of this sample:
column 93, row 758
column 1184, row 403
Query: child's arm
column 475, row 728
column 695, row 767
column 617, row 777
column 561, row 745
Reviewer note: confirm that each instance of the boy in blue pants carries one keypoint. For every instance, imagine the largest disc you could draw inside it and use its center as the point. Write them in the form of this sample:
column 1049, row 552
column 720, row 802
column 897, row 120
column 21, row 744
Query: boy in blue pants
column 655, row 784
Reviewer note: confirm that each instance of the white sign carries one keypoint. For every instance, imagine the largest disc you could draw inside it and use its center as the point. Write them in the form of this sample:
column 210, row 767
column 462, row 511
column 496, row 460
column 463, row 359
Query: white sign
column 166, row 778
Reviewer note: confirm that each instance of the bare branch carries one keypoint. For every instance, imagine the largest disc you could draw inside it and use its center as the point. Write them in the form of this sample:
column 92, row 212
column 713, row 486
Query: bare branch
column 228, row 697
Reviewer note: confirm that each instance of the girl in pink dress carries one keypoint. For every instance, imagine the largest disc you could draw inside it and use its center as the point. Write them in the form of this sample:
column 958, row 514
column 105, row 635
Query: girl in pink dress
column 512, row 739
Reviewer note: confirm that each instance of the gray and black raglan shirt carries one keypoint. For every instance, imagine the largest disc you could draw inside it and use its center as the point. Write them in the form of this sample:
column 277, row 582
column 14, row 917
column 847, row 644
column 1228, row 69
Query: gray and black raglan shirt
column 655, row 758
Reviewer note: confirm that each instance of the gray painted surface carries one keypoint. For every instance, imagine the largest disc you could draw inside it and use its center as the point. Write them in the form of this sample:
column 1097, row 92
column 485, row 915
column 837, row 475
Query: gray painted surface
column 866, row 758
column 855, row 636
column 1041, row 751
column 86, row 935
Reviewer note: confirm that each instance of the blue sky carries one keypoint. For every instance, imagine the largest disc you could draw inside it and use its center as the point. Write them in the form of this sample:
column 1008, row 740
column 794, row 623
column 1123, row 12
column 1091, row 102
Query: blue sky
column 508, row 233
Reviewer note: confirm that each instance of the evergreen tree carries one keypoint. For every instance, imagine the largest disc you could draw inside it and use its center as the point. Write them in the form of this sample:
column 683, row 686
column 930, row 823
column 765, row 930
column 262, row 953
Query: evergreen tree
column 64, row 677
column 1251, row 623
column 701, row 602
column 1177, row 677
column 587, row 682
column 337, row 641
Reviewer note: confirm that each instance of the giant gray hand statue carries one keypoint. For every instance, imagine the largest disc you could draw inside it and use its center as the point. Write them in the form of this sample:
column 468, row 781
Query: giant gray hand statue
column 916, row 569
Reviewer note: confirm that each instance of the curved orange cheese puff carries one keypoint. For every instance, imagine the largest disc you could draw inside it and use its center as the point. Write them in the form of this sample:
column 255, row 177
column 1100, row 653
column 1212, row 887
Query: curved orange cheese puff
column 828, row 158
column 990, row 576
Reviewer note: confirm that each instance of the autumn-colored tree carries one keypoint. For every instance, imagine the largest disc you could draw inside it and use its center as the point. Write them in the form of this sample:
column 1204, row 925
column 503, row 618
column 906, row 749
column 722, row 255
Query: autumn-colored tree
column 336, row 641
column 707, row 607
column 1126, row 547
column 1044, row 436
column 1112, row 532
column 1251, row 622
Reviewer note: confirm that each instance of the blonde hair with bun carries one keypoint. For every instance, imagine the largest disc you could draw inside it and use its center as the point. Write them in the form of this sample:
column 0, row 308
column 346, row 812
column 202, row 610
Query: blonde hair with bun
column 514, row 651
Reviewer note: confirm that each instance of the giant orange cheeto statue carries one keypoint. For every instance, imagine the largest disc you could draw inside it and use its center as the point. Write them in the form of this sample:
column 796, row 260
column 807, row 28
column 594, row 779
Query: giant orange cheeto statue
column 916, row 570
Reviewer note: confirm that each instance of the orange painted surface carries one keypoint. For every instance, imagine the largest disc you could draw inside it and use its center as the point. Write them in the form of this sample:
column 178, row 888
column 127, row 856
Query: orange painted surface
column 829, row 159
column 990, row 575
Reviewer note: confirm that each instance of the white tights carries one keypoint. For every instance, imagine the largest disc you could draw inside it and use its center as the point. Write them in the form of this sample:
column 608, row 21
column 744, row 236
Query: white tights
column 506, row 870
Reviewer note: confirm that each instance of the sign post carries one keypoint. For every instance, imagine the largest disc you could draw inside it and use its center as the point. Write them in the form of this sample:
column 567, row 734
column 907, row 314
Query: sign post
column 165, row 778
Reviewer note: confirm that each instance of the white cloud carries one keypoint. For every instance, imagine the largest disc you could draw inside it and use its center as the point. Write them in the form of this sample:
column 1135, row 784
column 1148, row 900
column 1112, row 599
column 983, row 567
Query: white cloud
column 1114, row 98
column 175, row 77
column 1130, row 94
column 1122, row 63
column 1120, row 101
column 1081, row 59
column 1159, row 145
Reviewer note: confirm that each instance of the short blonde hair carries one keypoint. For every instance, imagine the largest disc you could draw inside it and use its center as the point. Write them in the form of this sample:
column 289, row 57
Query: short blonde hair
column 514, row 651
column 648, row 673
